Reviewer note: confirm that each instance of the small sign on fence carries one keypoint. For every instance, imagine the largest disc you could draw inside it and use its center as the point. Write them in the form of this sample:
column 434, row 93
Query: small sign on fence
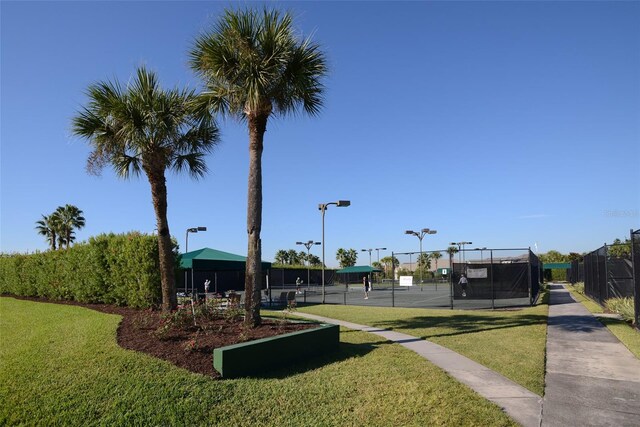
column 476, row 273
column 406, row 280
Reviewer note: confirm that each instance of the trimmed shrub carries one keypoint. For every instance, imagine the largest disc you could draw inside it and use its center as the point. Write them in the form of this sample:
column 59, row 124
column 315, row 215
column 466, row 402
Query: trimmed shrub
column 114, row 269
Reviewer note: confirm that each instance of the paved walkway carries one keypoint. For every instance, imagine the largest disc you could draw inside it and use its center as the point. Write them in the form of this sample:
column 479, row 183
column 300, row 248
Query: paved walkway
column 592, row 379
column 519, row 403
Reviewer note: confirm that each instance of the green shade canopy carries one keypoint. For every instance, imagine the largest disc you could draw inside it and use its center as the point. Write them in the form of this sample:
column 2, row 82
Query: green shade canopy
column 213, row 259
column 359, row 269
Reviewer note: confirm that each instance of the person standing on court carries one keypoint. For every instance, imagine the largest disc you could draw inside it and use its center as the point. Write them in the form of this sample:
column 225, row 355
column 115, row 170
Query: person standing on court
column 298, row 283
column 206, row 286
column 463, row 283
column 365, row 283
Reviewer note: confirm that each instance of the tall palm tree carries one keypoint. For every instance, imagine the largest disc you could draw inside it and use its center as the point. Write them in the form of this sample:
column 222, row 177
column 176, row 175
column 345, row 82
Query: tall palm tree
column 436, row 256
column 254, row 66
column 69, row 218
column 143, row 128
column 389, row 264
column 281, row 257
column 48, row 227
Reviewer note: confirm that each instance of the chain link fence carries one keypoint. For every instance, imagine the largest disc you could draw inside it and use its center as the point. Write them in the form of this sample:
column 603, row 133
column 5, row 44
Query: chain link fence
column 635, row 257
column 495, row 278
column 610, row 273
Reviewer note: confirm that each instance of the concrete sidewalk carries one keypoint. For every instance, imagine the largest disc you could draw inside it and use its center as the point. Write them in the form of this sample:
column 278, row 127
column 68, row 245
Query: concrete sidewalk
column 592, row 379
column 519, row 403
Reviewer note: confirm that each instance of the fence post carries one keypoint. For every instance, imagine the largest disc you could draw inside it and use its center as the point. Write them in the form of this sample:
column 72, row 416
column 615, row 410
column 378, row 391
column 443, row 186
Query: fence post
column 606, row 270
column 451, row 278
column 597, row 276
column 529, row 271
column 493, row 296
column 636, row 280
column 393, row 280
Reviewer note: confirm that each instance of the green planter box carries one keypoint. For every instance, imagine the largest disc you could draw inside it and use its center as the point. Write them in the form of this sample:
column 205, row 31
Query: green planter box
column 260, row 356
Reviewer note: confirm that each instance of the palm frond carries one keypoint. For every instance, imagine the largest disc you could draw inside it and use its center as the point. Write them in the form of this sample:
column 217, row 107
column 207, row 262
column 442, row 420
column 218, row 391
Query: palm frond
column 193, row 163
column 254, row 62
column 126, row 166
column 142, row 124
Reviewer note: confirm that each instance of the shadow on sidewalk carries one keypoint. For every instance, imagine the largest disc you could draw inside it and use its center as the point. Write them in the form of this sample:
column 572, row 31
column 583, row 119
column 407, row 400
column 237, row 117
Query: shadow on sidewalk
column 576, row 323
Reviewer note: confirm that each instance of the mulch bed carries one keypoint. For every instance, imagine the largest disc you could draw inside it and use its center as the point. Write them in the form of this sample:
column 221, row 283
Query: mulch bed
column 189, row 347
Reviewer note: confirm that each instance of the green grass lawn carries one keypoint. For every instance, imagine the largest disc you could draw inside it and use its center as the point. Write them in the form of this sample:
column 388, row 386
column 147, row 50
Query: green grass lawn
column 509, row 342
column 621, row 329
column 60, row 365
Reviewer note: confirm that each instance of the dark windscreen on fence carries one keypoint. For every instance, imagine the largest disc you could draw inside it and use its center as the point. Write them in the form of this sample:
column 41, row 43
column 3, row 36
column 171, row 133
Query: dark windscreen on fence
column 486, row 281
column 635, row 251
column 607, row 276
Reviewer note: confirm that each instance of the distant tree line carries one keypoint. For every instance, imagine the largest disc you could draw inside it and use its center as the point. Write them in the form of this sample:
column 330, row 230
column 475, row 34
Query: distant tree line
column 293, row 258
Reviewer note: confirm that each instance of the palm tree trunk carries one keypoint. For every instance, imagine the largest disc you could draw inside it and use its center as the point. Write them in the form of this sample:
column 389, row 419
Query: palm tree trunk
column 253, row 271
column 167, row 268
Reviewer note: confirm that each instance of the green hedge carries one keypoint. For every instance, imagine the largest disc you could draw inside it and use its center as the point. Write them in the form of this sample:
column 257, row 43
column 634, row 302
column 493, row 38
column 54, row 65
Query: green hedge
column 114, row 269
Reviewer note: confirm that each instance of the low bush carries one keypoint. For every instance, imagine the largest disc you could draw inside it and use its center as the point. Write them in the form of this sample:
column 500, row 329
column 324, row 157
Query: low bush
column 622, row 306
column 579, row 288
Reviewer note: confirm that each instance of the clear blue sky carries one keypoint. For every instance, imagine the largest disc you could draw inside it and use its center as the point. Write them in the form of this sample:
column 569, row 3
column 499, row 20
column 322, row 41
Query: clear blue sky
column 501, row 123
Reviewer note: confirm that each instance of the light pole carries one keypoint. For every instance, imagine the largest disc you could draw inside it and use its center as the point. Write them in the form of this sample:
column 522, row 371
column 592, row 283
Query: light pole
column 420, row 235
column 308, row 245
column 186, row 249
column 461, row 245
column 323, row 207
column 378, row 250
column 368, row 250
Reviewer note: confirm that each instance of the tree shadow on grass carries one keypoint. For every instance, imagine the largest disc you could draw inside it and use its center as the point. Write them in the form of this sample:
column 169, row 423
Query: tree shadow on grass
column 461, row 324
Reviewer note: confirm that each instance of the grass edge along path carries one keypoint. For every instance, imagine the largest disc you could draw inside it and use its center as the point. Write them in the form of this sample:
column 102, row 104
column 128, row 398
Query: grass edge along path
column 62, row 366
column 510, row 342
column 621, row 329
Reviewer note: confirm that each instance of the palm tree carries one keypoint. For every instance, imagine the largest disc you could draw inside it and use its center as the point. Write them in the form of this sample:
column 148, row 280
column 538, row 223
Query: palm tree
column 69, row 218
column 347, row 257
column 281, row 257
column 144, row 128
column 436, row 256
column 389, row 264
column 48, row 227
column 254, row 66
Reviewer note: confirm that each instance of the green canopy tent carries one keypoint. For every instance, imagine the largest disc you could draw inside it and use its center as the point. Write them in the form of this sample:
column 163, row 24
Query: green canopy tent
column 348, row 274
column 225, row 270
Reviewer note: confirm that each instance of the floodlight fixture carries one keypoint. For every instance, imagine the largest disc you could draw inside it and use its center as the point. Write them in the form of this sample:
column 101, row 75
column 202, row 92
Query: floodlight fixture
column 186, row 249
column 308, row 245
column 323, row 208
column 423, row 232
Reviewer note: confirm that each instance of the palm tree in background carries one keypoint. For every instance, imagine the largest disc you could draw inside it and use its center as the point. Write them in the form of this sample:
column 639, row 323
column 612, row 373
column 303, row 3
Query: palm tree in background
column 143, row 128
column 452, row 250
column 254, row 66
column 281, row 257
column 389, row 263
column 48, row 227
column 435, row 256
column 346, row 257
column 69, row 217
